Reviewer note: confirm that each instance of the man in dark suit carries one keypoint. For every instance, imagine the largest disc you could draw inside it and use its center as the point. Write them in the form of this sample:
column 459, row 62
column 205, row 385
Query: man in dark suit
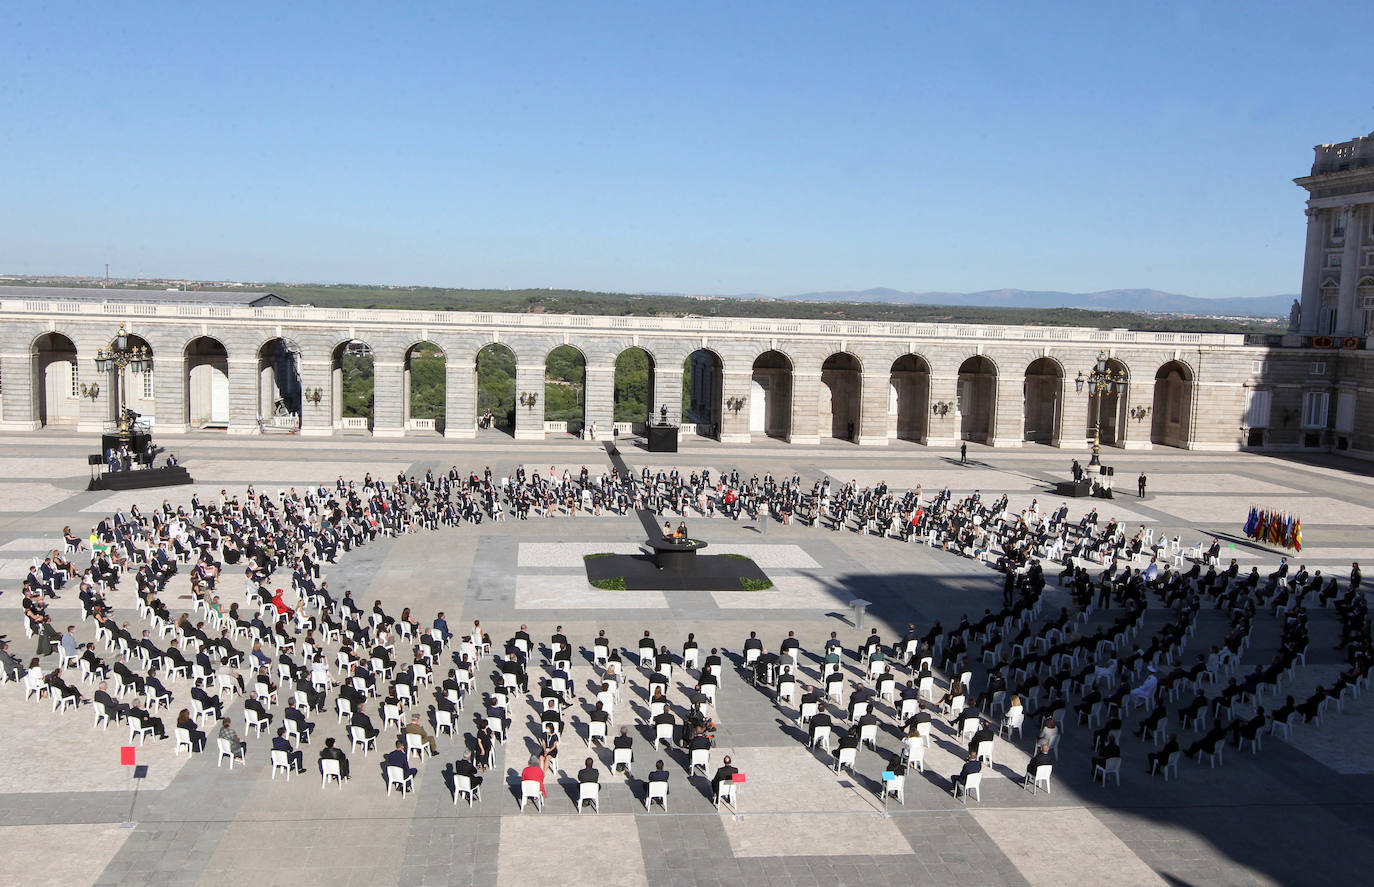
column 360, row 719
column 397, row 758
column 117, row 709
column 1159, row 758
column 659, row 774
column 725, row 774
column 971, row 767
column 820, row 719
column 297, row 717
column 465, row 767
column 330, row 753
column 1041, row 758
column 206, row 700
column 625, row 740
column 294, row 757
column 589, row 773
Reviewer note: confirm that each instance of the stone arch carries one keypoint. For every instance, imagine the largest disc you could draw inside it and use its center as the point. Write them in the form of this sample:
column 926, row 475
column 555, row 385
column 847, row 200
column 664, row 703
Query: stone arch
column 632, row 386
column 976, row 398
column 1043, row 396
column 1172, row 414
column 1114, row 408
column 565, row 386
column 424, row 392
column 909, row 398
column 494, row 366
column 136, row 388
column 353, row 374
column 770, row 395
column 703, row 391
column 205, row 365
column 57, row 381
column 279, row 382
column 839, row 407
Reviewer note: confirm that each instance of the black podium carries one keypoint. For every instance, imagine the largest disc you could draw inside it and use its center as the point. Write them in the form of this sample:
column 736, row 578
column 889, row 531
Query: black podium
column 678, row 556
column 662, row 438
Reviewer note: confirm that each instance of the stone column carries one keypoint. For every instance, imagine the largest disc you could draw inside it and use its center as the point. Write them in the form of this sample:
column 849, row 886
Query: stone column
column 21, row 396
column 317, row 419
column 529, row 421
column 169, row 395
column 1139, row 433
column 805, row 420
column 1008, row 411
column 873, row 404
column 243, row 395
column 1311, row 272
column 1349, row 319
column 94, row 413
column 598, row 399
column 734, row 424
column 942, row 431
column 388, row 397
column 460, row 398
column 1073, row 413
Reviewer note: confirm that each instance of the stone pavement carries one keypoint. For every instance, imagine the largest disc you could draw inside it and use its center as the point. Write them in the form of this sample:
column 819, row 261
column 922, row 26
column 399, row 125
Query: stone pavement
column 1254, row 820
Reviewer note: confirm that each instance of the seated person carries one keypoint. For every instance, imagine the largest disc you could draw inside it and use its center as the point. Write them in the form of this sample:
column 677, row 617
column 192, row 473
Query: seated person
column 294, row 757
column 332, row 753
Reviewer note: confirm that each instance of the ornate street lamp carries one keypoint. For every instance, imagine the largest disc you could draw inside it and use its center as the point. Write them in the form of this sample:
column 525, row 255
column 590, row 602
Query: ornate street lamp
column 1100, row 380
column 118, row 357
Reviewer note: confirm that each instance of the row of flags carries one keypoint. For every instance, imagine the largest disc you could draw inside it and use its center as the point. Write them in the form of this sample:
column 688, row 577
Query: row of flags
column 1274, row 528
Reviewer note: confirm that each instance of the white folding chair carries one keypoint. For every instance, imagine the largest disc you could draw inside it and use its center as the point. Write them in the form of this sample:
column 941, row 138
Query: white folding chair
column 622, row 757
column 701, row 757
column 396, row 777
column 531, row 790
column 282, row 763
column 658, row 791
column 329, row 769
column 226, row 750
column 360, row 737
column 970, row 786
column 896, row 788
column 1039, row 777
column 462, row 786
column 844, row 757
column 138, row 728
column 588, row 792
column 416, row 743
column 1112, row 767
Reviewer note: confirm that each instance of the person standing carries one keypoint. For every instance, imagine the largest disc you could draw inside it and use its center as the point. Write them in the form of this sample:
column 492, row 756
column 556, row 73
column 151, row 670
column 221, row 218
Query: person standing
column 1140, row 485
column 963, row 452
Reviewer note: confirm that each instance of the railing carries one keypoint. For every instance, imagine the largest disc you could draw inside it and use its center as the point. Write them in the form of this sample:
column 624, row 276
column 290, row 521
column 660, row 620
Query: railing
column 739, row 326
column 420, row 425
column 555, row 427
column 354, row 423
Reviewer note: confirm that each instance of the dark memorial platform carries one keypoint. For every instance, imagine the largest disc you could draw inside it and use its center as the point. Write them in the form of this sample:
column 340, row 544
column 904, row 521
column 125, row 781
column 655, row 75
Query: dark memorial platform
column 675, row 566
column 141, row 478
column 662, row 438
column 1074, row 489
column 675, row 554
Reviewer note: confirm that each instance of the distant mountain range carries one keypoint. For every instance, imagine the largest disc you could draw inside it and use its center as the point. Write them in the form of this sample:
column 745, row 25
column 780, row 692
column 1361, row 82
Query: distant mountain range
column 1142, row 301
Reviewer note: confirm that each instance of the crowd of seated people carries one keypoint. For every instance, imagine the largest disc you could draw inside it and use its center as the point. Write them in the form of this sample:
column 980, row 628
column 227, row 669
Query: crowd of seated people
column 1051, row 671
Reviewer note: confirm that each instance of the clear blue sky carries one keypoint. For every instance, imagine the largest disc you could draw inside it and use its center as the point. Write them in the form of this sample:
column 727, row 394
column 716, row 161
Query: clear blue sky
column 720, row 148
